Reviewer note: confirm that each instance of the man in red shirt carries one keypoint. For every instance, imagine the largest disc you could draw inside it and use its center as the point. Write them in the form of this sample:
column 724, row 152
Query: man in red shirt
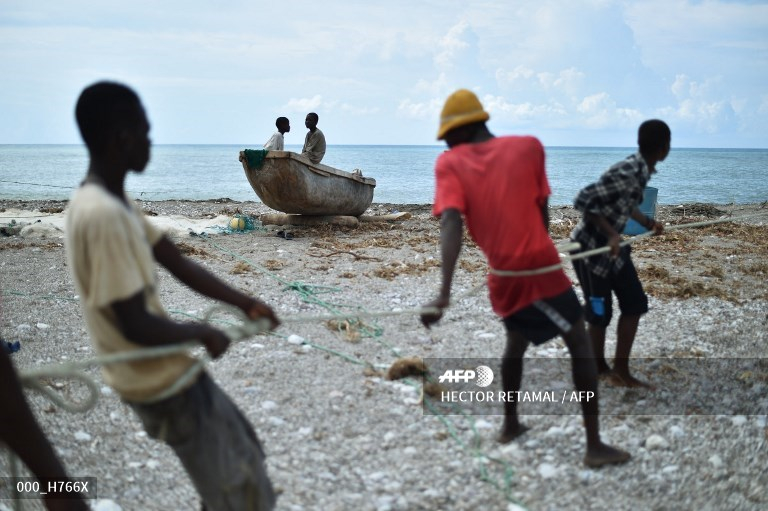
column 499, row 187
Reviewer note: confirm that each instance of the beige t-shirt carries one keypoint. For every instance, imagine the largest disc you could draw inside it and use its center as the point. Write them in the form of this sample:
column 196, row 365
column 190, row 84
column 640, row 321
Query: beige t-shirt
column 109, row 249
column 314, row 146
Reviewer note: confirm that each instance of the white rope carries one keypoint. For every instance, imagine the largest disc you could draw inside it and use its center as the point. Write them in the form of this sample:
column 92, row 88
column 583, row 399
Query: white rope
column 32, row 378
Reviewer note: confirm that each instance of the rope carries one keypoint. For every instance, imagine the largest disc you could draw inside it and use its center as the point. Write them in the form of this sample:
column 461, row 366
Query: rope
column 31, row 378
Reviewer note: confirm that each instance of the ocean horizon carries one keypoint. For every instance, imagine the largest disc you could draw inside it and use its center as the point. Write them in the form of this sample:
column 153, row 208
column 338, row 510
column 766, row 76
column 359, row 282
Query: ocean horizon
column 404, row 173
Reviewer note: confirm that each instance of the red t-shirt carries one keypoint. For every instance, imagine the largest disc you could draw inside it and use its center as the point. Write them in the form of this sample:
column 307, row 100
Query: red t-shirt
column 499, row 187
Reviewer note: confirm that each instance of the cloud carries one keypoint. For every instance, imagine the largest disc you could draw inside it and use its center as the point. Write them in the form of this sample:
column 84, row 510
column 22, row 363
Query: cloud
column 304, row 104
column 451, row 45
column 600, row 111
column 425, row 111
column 703, row 105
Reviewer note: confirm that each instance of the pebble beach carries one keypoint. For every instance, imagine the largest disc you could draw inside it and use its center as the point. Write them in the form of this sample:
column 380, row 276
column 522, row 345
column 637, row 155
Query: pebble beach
column 341, row 435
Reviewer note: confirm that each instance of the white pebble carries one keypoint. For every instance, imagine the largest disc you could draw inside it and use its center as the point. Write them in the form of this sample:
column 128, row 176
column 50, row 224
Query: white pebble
column 676, row 431
column 483, row 424
column 547, row 470
column 555, row 431
column 42, row 326
column 82, row 436
column 106, row 391
column 739, row 420
column 377, row 476
column 514, row 507
column 106, row 505
column 152, row 464
column 295, row 339
column 656, row 442
column 256, row 345
column 716, row 461
column 269, row 405
column 669, row 469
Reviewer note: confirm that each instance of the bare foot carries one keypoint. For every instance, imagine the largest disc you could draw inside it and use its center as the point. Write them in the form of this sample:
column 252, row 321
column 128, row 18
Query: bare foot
column 605, row 375
column 509, row 433
column 625, row 380
column 605, row 455
column 603, row 367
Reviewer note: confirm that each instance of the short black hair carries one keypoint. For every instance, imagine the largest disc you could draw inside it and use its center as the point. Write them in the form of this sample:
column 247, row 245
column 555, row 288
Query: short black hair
column 102, row 108
column 281, row 120
column 313, row 114
column 653, row 135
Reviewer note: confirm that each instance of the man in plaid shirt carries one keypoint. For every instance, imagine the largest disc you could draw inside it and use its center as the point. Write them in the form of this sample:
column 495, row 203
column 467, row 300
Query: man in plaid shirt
column 606, row 206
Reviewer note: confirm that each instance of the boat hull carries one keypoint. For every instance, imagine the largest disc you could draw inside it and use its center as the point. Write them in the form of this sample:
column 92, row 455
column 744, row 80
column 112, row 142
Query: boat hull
column 292, row 184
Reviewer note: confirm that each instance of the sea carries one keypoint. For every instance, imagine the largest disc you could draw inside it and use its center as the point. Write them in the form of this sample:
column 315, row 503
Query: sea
column 404, row 174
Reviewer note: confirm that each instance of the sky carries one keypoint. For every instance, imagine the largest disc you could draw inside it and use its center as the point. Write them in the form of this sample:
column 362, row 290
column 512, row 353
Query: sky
column 571, row 72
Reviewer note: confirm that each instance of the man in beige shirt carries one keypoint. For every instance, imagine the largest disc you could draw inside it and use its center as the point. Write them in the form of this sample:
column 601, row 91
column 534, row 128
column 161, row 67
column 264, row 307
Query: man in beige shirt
column 314, row 142
column 112, row 250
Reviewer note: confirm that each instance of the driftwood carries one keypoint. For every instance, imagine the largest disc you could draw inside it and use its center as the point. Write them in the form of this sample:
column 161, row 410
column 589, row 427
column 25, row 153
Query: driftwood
column 404, row 215
column 281, row 219
column 344, row 221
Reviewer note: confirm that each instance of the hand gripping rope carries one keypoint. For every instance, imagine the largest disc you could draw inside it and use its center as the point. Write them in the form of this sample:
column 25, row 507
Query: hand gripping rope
column 32, row 378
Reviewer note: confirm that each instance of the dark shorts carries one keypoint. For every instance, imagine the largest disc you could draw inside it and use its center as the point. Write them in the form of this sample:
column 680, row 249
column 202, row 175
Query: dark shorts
column 215, row 443
column 547, row 318
column 625, row 284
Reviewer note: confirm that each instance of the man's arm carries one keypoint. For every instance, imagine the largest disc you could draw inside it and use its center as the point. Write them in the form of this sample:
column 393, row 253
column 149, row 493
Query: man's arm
column 140, row 326
column 451, row 231
column 205, row 283
column 20, row 431
column 602, row 223
column 545, row 213
column 647, row 222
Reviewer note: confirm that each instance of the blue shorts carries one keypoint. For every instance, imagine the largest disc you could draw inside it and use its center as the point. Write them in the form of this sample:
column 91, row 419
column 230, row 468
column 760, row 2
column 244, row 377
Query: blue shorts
column 625, row 284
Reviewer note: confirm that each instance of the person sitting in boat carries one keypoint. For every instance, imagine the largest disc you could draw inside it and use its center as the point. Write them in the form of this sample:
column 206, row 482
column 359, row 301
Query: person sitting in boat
column 314, row 143
column 275, row 143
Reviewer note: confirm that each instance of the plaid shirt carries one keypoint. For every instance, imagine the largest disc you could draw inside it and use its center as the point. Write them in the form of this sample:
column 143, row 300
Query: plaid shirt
column 615, row 195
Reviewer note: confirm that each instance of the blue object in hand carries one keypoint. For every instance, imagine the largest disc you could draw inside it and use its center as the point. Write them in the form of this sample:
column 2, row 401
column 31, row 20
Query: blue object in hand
column 598, row 305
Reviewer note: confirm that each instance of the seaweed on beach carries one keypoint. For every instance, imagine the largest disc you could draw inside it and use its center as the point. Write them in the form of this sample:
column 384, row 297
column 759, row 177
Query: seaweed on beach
column 697, row 209
column 394, row 269
column 190, row 250
column 658, row 282
column 240, row 268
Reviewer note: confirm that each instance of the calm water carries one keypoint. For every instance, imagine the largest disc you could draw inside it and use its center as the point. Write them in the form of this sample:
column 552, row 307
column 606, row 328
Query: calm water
column 404, row 174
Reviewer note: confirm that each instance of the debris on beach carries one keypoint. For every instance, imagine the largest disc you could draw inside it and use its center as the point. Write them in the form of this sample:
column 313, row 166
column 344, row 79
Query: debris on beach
column 405, row 367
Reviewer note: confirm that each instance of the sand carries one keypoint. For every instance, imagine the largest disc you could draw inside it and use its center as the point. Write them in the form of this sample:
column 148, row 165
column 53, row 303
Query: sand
column 340, row 436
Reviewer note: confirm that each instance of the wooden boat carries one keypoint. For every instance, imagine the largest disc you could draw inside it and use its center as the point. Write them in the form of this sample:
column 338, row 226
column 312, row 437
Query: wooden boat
column 290, row 183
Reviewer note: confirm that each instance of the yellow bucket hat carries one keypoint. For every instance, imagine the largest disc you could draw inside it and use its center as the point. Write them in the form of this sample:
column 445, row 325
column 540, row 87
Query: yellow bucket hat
column 462, row 107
